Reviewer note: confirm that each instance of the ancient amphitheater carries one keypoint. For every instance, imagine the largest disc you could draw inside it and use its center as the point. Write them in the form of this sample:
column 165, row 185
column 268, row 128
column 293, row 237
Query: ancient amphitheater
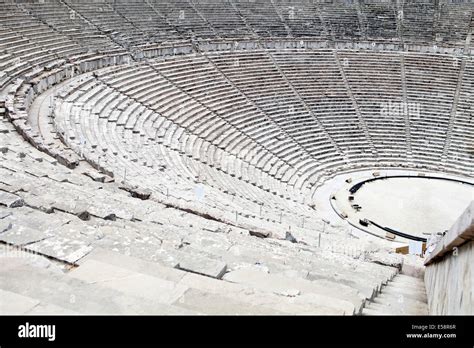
column 236, row 157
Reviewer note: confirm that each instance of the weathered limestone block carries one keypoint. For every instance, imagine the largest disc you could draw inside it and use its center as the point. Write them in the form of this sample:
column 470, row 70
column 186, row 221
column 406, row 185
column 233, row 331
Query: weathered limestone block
column 10, row 200
column 203, row 266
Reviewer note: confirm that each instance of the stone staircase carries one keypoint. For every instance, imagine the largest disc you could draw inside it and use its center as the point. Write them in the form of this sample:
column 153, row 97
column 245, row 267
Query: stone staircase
column 403, row 295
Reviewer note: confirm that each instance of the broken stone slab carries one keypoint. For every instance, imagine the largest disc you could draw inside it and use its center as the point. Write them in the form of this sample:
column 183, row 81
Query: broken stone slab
column 10, row 200
column 96, row 176
column 70, row 160
column 20, row 235
column 61, row 248
column 137, row 192
column 259, row 234
column 42, row 203
column 78, row 208
column 203, row 266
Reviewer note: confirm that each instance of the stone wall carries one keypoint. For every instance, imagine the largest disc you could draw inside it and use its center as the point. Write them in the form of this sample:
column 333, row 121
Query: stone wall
column 449, row 277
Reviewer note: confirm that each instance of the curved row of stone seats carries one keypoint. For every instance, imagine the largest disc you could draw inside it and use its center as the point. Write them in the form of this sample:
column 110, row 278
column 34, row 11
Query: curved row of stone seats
column 276, row 97
column 38, row 33
column 64, row 20
column 28, row 44
column 169, row 141
column 302, row 18
column 110, row 22
column 444, row 79
column 454, row 21
column 310, row 73
column 262, row 17
column 460, row 149
column 16, row 106
column 94, row 141
column 226, row 187
column 75, row 194
column 61, row 236
column 376, row 83
column 19, row 168
column 167, row 107
column 145, row 18
column 177, row 165
column 16, row 62
column 23, row 92
column 184, row 16
column 380, row 19
column 379, row 95
column 441, row 23
column 418, row 20
column 431, row 83
column 342, row 19
column 222, row 17
column 106, row 21
column 235, row 109
column 238, row 61
column 177, row 74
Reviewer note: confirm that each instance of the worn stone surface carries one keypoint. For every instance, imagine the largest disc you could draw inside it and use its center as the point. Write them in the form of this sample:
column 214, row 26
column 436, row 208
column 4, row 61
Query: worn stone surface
column 76, row 295
column 203, row 266
column 10, row 200
column 13, row 303
column 129, row 282
column 211, row 303
column 449, row 282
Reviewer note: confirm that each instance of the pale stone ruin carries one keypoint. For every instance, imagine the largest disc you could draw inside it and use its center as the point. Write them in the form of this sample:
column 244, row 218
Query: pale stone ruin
column 190, row 156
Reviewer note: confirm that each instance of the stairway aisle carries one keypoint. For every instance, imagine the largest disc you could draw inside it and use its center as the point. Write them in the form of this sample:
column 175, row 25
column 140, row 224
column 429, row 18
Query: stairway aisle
column 404, row 295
